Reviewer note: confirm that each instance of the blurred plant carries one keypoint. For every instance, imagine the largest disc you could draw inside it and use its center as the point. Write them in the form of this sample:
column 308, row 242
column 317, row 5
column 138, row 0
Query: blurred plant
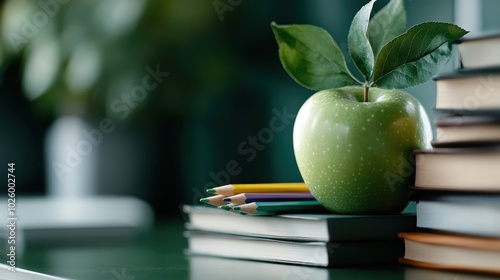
column 79, row 56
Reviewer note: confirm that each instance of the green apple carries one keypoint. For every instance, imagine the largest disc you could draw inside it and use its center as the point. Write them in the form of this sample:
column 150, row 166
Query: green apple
column 355, row 156
column 353, row 138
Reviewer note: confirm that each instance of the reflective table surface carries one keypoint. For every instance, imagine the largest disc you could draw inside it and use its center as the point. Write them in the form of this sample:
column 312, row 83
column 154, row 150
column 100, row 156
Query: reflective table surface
column 159, row 254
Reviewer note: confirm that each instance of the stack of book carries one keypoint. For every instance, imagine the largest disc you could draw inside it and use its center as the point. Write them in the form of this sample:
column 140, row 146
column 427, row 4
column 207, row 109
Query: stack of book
column 470, row 96
column 306, row 235
column 457, row 184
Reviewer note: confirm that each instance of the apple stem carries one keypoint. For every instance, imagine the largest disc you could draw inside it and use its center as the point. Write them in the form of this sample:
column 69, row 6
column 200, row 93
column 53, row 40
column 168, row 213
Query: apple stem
column 365, row 96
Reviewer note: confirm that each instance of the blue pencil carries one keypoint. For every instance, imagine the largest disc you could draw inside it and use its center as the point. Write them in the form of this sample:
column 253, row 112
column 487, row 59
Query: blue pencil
column 243, row 198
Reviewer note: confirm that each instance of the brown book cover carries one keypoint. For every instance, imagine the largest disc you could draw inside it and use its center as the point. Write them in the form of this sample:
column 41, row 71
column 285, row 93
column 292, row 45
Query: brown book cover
column 451, row 252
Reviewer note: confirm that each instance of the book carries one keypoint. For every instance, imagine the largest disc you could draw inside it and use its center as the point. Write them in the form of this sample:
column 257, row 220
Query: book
column 480, row 51
column 467, row 131
column 305, row 227
column 204, row 267
column 451, row 252
column 474, row 169
column 315, row 253
column 461, row 213
column 468, row 90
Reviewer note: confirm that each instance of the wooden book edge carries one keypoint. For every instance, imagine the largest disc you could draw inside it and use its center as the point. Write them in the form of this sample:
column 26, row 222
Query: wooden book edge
column 447, row 266
column 453, row 240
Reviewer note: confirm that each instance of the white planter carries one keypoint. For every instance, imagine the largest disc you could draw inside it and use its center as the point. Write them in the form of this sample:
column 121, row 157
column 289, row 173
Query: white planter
column 71, row 157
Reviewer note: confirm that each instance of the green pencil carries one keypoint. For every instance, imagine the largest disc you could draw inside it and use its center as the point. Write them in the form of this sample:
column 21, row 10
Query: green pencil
column 275, row 207
column 215, row 200
column 227, row 207
column 230, row 207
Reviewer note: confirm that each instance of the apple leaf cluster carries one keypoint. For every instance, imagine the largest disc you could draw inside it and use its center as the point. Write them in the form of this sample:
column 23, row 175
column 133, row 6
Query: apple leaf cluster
column 386, row 55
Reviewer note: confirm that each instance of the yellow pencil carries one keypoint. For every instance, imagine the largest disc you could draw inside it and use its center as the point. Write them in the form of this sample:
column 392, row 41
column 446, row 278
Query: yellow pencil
column 259, row 188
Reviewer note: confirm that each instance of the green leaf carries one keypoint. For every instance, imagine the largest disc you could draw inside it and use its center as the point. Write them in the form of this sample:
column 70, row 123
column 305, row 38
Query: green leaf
column 386, row 24
column 359, row 45
column 412, row 46
column 417, row 72
column 311, row 57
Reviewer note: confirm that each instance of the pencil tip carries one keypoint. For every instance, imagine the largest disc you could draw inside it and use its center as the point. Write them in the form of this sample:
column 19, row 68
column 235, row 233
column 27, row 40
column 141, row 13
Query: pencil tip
column 210, row 191
column 204, row 200
column 237, row 208
column 225, row 207
column 243, row 213
column 226, row 199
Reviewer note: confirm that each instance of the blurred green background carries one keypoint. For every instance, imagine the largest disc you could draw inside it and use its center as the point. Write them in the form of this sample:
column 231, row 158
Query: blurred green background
column 224, row 85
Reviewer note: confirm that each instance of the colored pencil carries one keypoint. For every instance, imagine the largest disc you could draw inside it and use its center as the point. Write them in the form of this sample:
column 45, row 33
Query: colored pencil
column 233, row 189
column 243, row 198
column 229, row 207
column 215, row 200
column 275, row 207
